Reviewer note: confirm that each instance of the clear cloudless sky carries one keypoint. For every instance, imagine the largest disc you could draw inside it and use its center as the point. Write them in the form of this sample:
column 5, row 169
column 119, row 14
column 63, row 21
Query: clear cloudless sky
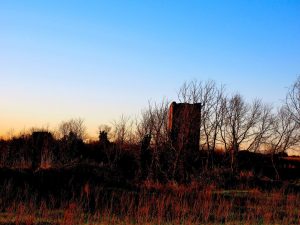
column 97, row 60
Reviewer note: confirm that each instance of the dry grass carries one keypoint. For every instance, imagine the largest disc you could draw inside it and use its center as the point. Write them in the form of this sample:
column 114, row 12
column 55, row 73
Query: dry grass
column 161, row 204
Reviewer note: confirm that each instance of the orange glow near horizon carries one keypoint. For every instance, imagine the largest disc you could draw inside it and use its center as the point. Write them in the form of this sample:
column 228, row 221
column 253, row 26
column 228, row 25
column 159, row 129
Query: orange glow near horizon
column 10, row 128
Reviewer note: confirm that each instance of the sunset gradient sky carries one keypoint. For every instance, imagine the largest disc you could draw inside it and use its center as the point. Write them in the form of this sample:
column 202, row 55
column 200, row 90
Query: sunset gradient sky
column 100, row 59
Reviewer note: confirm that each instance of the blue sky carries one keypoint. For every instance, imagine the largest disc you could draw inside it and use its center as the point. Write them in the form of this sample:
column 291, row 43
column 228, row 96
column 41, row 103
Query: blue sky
column 100, row 59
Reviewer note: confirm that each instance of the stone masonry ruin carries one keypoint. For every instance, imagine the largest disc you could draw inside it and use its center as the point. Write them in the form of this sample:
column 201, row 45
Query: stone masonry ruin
column 184, row 125
column 184, row 129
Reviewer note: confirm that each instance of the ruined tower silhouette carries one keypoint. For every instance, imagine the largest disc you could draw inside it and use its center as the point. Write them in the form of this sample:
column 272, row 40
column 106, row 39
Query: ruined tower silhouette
column 184, row 125
column 184, row 129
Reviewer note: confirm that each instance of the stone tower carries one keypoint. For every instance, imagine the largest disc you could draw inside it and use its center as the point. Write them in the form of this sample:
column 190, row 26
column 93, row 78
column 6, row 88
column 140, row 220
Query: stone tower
column 184, row 125
column 184, row 129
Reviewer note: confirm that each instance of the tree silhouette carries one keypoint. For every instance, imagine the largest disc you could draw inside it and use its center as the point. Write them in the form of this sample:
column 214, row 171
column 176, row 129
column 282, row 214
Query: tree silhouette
column 293, row 100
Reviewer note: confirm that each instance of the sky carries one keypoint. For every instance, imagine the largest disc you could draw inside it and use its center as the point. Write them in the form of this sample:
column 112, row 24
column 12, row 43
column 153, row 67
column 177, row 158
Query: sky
column 98, row 60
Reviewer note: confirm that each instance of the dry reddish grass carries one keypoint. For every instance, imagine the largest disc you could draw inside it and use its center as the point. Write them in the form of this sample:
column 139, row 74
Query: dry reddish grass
column 164, row 204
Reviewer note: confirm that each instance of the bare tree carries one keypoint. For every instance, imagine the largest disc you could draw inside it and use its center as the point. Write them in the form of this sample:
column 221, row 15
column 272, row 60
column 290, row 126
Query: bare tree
column 122, row 131
column 285, row 133
column 152, row 128
column 293, row 100
column 211, row 116
column 72, row 127
column 154, row 122
column 197, row 91
column 210, row 96
column 239, row 122
column 190, row 92
column 72, row 133
column 145, row 124
column 263, row 129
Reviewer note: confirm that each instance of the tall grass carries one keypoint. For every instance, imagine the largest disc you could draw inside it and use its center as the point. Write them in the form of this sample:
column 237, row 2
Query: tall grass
column 158, row 204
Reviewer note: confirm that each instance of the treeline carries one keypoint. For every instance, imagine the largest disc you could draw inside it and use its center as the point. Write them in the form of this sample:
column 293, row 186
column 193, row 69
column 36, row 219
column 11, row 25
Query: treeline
column 141, row 148
column 228, row 121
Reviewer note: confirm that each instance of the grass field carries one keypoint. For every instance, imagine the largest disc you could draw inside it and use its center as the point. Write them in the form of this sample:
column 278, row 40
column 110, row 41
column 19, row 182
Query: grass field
column 161, row 204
